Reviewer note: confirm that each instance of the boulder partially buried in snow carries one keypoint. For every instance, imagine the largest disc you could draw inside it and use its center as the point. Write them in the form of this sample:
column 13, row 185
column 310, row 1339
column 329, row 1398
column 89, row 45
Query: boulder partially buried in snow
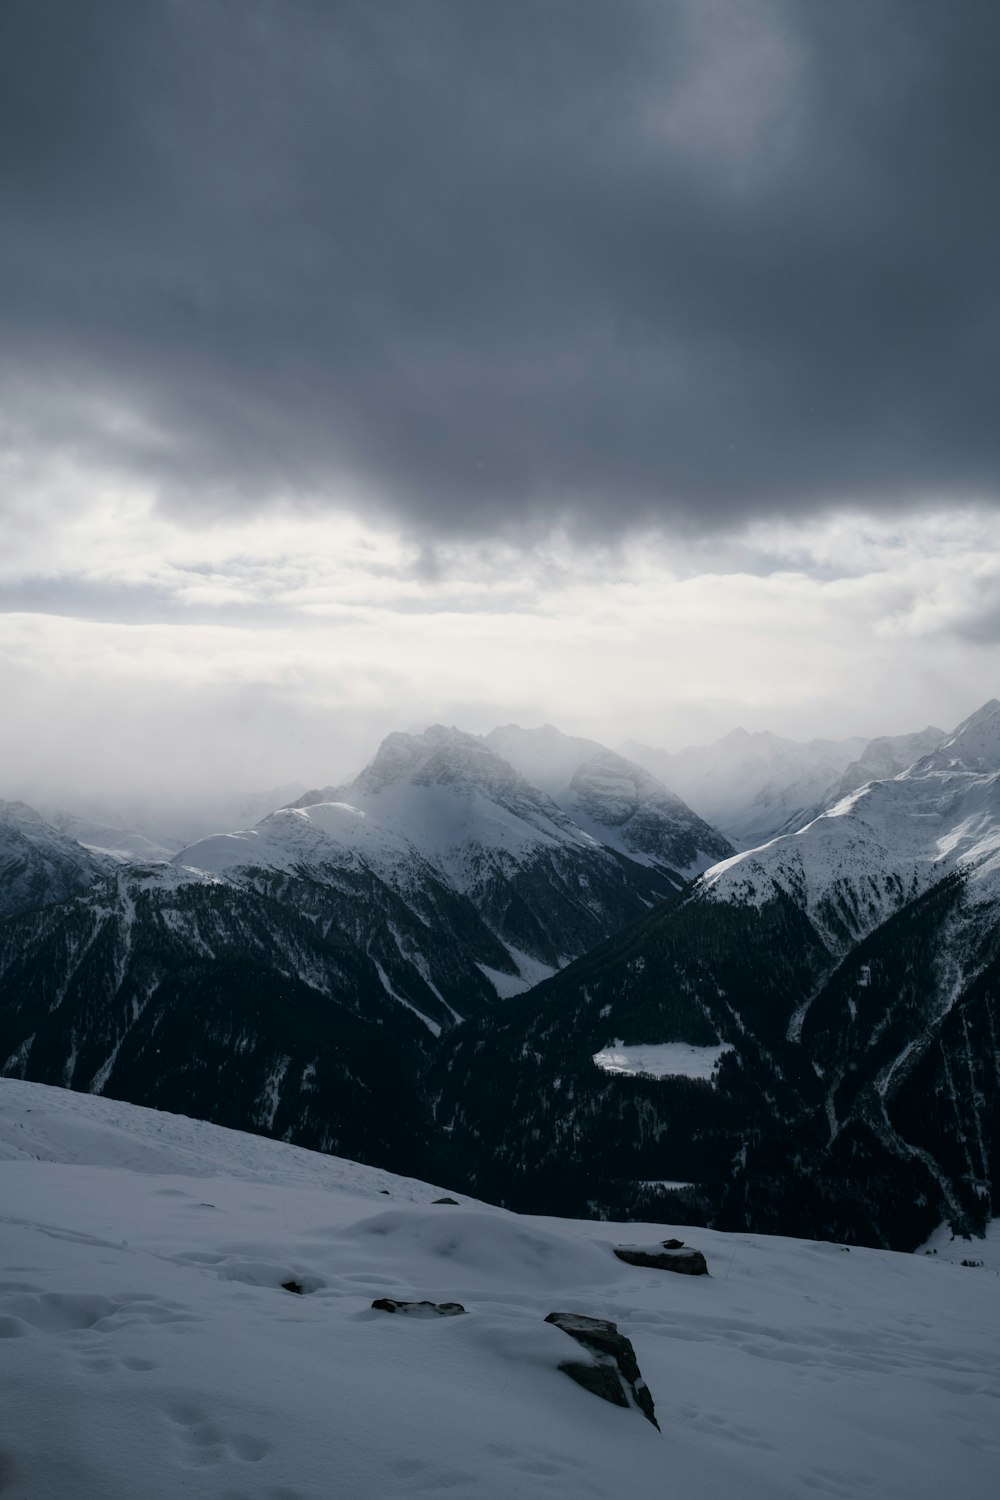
column 664, row 1257
column 612, row 1371
column 418, row 1309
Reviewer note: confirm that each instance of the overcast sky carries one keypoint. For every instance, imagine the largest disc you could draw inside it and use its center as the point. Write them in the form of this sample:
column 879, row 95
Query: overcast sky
column 630, row 364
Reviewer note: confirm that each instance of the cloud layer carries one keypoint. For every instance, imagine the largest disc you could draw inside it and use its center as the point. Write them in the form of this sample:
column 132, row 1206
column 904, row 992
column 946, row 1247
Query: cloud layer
column 482, row 267
column 138, row 651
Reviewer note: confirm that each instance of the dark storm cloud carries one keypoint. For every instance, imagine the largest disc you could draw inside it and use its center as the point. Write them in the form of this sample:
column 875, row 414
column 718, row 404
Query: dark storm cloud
column 637, row 259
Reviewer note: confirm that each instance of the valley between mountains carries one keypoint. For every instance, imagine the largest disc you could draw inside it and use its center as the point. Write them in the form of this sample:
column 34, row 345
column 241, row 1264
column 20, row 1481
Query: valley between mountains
column 523, row 965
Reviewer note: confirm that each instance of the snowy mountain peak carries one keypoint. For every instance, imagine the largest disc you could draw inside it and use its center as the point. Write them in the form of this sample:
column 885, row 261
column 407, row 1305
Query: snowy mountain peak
column 39, row 865
column 497, row 884
column 613, row 799
column 609, row 782
column 20, row 815
column 438, row 756
column 888, row 756
column 976, row 741
column 885, row 843
column 396, row 758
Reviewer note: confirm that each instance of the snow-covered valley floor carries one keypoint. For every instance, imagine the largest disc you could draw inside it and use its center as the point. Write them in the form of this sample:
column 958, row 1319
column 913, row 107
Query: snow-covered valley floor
column 147, row 1348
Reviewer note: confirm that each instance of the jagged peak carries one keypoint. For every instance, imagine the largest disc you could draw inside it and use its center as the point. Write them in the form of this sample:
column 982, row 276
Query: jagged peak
column 21, row 813
column 441, row 754
column 977, row 738
column 397, row 756
column 988, row 714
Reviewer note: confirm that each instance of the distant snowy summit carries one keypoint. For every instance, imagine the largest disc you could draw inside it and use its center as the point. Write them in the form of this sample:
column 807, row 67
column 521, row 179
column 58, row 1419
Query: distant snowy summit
column 614, row 799
column 888, row 755
column 356, row 927
column 444, row 810
column 39, row 864
column 294, row 976
column 756, row 786
column 887, row 842
column 559, row 785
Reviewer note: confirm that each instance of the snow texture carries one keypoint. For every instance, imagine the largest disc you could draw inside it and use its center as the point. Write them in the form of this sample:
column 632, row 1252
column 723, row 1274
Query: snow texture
column 148, row 1347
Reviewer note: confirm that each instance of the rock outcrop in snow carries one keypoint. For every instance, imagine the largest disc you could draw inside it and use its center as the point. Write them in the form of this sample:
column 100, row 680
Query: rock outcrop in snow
column 612, row 1372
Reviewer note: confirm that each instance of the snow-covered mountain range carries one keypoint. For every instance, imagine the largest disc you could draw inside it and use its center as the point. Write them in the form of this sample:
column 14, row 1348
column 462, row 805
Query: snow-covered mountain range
column 443, row 810
column 887, row 843
column 293, row 976
column 846, row 981
column 493, row 967
column 186, row 1310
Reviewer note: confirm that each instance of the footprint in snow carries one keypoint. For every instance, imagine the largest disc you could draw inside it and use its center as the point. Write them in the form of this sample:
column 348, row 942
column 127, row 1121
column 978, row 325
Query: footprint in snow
column 203, row 1442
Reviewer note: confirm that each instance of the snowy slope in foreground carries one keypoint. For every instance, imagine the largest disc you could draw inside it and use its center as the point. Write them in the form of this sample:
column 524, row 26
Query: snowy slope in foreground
column 147, row 1348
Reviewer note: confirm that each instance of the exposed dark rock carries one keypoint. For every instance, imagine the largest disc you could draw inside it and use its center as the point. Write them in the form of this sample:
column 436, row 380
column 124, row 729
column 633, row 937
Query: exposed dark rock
column 614, row 1376
column 293, row 1286
column 673, row 1244
column 419, row 1309
column 688, row 1262
column 453, row 1201
column 599, row 1379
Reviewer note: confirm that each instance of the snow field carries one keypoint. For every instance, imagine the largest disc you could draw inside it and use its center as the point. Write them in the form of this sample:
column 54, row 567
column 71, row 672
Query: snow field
column 148, row 1349
column 661, row 1059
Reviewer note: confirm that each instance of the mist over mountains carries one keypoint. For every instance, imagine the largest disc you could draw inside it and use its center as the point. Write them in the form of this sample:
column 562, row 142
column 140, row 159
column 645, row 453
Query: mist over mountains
column 523, row 963
column 755, row 786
